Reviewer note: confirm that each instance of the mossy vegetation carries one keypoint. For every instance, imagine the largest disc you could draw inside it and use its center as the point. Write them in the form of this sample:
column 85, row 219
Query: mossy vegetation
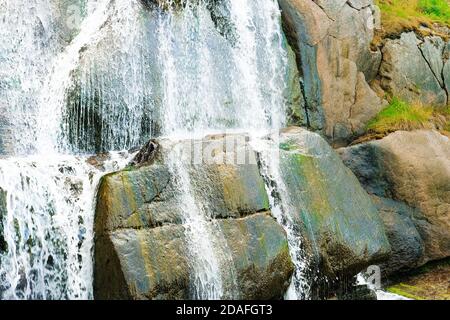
column 437, row 10
column 405, row 290
column 421, row 16
column 427, row 282
column 400, row 115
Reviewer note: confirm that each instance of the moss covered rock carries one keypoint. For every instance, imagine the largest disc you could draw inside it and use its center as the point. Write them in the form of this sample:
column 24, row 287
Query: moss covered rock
column 341, row 224
column 429, row 282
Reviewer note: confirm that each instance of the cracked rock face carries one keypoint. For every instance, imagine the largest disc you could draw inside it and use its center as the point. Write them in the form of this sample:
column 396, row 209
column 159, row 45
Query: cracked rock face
column 416, row 70
column 333, row 40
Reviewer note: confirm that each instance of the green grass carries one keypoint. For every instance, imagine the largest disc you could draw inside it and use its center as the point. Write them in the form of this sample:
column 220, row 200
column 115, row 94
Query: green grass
column 407, row 15
column 438, row 10
column 405, row 290
column 399, row 115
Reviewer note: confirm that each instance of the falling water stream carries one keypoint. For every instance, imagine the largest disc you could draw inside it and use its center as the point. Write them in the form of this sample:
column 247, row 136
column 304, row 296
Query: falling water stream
column 127, row 74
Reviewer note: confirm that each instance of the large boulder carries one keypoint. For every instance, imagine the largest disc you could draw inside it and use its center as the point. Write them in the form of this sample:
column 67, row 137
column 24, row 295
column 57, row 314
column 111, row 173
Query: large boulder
column 342, row 228
column 143, row 247
column 333, row 39
column 408, row 174
column 413, row 69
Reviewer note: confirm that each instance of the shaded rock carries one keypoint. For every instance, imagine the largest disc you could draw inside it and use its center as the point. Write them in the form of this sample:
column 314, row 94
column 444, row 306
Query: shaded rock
column 68, row 16
column 341, row 228
column 446, row 69
column 147, row 154
column 154, row 263
column 295, row 101
column 333, row 40
column 409, row 174
column 432, row 49
column 413, row 70
column 359, row 293
column 341, row 225
column 140, row 264
column 408, row 248
column 230, row 189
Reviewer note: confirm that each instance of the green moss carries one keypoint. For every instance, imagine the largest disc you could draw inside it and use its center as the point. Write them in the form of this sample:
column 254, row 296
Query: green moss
column 438, row 10
column 424, row 283
column 399, row 115
column 423, row 10
column 262, row 242
column 320, row 207
column 287, row 146
column 405, row 291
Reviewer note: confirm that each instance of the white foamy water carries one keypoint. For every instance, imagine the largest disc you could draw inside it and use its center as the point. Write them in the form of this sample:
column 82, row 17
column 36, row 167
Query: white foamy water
column 52, row 98
column 48, row 226
column 47, row 223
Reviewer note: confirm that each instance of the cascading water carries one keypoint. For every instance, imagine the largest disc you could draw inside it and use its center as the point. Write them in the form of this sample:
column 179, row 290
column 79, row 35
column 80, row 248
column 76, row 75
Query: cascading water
column 47, row 198
column 27, row 46
column 47, row 227
column 182, row 71
column 215, row 84
column 285, row 211
column 109, row 103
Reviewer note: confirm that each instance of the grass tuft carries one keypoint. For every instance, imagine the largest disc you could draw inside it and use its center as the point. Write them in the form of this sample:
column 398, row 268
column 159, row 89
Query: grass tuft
column 399, row 115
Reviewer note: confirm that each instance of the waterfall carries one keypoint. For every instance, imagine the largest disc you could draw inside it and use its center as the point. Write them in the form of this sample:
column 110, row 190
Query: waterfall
column 129, row 72
column 53, row 95
column 286, row 212
column 47, row 196
column 381, row 294
column 28, row 44
column 47, row 227
column 207, row 246
column 108, row 103
column 230, row 83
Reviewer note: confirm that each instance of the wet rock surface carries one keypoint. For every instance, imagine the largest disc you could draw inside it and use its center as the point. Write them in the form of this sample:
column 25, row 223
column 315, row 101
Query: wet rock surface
column 342, row 226
column 141, row 246
column 141, row 237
